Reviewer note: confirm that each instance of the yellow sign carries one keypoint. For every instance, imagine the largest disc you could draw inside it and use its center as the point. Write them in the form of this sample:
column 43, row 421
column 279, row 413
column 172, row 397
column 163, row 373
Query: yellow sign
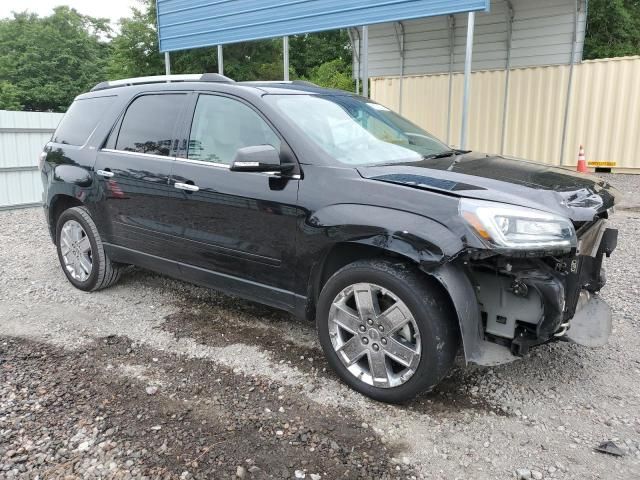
column 602, row 164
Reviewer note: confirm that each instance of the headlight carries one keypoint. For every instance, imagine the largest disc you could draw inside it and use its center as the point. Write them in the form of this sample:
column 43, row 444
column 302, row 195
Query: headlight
column 504, row 226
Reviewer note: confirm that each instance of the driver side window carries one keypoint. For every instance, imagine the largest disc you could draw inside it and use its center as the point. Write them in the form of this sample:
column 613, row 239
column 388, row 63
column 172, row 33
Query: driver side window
column 222, row 125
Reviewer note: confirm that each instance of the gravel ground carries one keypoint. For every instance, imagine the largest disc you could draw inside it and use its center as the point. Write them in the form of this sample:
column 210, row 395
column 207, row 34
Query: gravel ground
column 157, row 378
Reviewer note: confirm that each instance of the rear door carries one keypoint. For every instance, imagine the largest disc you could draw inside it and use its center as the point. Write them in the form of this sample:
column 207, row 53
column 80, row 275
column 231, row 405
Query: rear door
column 239, row 227
column 134, row 169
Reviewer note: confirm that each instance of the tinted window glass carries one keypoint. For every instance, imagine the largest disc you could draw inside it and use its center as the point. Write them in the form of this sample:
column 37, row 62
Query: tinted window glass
column 222, row 125
column 148, row 124
column 356, row 131
column 81, row 119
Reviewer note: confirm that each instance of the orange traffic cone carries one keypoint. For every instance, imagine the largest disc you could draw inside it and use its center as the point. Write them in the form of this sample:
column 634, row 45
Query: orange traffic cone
column 582, row 162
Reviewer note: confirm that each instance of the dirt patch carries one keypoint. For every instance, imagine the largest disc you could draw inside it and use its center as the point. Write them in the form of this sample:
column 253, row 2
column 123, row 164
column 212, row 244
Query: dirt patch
column 220, row 321
column 204, row 420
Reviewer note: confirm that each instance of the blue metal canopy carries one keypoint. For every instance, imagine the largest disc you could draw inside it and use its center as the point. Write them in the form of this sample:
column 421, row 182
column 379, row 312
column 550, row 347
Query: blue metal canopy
column 184, row 24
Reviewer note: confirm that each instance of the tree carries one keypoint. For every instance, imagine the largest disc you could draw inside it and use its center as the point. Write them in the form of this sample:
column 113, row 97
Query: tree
column 311, row 50
column 46, row 61
column 135, row 52
column 613, row 29
column 332, row 74
column 9, row 96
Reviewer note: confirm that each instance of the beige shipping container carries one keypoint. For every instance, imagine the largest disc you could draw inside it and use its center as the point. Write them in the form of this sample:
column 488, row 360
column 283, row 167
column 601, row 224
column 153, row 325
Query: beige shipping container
column 603, row 115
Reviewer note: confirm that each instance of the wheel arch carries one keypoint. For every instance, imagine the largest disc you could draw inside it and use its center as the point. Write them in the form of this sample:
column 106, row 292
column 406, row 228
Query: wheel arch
column 366, row 231
column 58, row 204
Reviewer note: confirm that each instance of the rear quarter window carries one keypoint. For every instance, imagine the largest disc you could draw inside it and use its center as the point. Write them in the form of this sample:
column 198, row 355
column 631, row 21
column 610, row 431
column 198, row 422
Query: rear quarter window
column 81, row 120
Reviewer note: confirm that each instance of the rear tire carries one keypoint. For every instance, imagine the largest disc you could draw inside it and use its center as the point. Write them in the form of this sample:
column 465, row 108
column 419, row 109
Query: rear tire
column 400, row 344
column 81, row 252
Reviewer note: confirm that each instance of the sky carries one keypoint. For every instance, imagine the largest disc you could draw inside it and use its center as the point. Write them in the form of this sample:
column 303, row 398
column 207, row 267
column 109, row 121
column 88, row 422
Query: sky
column 112, row 9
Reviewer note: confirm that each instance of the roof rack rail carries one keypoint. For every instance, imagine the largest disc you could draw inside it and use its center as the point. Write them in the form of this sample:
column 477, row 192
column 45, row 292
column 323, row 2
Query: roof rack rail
column 125, row 82
column 305, row 82
column 283, row 82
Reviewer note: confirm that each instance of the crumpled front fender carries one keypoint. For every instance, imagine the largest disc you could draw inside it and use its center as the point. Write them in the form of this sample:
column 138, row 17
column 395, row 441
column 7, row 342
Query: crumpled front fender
column 463, row 297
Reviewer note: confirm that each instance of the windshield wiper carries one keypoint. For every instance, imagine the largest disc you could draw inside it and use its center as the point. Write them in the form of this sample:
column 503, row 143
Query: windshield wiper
column 445, row 154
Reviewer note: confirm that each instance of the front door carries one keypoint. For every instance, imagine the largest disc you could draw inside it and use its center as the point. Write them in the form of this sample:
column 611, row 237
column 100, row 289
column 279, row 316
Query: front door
column 134, row 169
column 239, row 227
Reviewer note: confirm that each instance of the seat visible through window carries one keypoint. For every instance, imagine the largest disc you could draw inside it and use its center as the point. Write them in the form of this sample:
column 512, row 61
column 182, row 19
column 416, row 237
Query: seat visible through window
column 222, row 125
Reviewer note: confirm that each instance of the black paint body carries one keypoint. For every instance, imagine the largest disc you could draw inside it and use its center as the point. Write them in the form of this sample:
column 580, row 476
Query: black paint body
column 275, row 239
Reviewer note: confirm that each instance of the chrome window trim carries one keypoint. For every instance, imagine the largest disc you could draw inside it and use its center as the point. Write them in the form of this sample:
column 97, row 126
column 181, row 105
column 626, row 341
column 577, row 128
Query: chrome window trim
column 127, row 152
column 202, row 162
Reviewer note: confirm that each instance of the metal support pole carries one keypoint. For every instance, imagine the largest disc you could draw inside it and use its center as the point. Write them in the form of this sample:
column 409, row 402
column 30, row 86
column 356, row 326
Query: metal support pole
column 220, row 60
column 452, row 41
column 567, row 104
column 467, row 80
column 285, row 56
column 359, row 74
column 400, row 39
column 167, row 64
column 364, row 55
column 505, row 106
column 355, row 57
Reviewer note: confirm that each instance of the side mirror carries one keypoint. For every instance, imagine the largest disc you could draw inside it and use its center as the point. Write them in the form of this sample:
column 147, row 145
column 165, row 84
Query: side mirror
column 259, row 158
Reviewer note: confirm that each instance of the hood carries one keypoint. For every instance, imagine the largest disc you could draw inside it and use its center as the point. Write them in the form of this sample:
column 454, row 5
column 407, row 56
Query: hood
column 503, row 179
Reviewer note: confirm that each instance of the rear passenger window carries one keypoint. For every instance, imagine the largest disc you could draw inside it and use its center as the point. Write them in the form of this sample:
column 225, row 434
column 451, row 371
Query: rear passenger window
column 81, row 119
column 148, row 124
column 222, row 125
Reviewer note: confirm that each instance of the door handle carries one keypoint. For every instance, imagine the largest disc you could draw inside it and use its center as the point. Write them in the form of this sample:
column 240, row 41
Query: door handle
column 187, row 186
column 105, row 173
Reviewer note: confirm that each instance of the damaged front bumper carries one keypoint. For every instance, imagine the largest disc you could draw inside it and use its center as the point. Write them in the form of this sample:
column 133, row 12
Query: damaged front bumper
column 506, row 306
column 591, row 325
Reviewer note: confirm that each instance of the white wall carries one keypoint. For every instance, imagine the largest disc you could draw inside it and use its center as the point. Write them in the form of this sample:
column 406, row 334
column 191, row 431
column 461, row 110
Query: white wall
column 22, row 137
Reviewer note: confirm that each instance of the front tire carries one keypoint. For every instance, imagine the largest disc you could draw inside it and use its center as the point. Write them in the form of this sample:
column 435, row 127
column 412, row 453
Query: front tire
column 81, row 252
column 386, row 329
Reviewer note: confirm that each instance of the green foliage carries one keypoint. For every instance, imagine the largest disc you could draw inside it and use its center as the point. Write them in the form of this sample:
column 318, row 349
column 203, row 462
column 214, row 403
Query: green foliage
column 613, row 29
column 134, row 52
column 333, row 74
column 46, row 62
column 312, row 50
column 9, row 96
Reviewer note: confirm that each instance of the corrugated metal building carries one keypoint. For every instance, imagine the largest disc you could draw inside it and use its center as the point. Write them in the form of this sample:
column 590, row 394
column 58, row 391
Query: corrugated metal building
column 532, row 96
column 542, row 34
column 22, row 136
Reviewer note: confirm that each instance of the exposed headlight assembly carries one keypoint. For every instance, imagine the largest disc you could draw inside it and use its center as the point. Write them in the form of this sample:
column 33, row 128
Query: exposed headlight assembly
column 509, row 227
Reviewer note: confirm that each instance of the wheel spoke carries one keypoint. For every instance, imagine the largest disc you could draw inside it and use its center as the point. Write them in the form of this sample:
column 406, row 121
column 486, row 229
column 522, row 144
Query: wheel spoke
column 76, row 232
column 402, row 354
column 365, row 300
column 345, row 317
column 85, row 264
column 75, row 264
column 84, row 245
column 378, row 367
column 64, row 238
column 394, row 318
column 351, row 351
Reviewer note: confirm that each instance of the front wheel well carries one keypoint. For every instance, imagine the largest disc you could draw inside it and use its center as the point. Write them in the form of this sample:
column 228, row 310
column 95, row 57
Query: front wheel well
column 59, row 204
column 339, row 256
column 343, row 254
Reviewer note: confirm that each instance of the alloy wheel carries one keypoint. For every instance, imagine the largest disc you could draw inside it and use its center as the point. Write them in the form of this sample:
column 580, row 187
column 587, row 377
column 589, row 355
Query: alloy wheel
column 76, row 250
column 375, row 335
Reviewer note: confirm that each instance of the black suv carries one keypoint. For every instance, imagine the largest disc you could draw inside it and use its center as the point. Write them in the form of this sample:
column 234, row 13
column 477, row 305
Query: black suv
column 332, row 207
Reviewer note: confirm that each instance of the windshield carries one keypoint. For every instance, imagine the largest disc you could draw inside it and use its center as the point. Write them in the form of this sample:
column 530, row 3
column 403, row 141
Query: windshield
column 357, row 132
